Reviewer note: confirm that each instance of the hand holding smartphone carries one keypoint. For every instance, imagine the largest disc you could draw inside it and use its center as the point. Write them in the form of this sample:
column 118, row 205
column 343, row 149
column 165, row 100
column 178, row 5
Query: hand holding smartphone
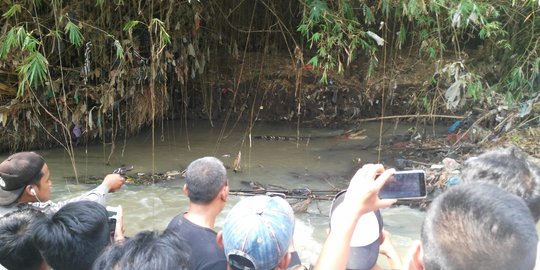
column 116, row 223
column 404, row 185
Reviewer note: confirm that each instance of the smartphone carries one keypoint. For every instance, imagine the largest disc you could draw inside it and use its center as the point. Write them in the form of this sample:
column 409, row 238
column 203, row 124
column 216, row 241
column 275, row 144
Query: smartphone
column 405, row 185
column 112, row 213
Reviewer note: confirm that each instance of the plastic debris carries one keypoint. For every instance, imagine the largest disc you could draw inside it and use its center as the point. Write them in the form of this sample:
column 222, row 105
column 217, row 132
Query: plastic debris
column 450, row 164
column 452, row 181
column 77, row 131
column 454, row 126
column 377, row 38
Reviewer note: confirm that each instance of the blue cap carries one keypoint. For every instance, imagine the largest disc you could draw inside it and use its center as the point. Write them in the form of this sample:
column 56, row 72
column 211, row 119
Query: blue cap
column 257, row 232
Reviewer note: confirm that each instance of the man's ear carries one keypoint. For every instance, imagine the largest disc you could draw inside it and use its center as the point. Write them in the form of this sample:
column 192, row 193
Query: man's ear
column 285, row 261
column 186, row 190
column 219, row 239
column 29, row 190
column 224, row 193
column 417, row 256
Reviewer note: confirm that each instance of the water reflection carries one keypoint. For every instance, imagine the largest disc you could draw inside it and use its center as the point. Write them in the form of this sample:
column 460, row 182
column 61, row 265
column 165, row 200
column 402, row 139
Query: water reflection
column 323, row 162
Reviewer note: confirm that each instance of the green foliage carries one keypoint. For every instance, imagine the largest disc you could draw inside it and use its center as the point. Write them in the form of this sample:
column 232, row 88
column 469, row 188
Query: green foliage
column 99, row 3
column 118, row 49
column 433, row 28
column 74, row 34
column 337, row 34
column 475, row 88
column 164, row 36
column 130, row 25
column 13, row 10
column 33, row 72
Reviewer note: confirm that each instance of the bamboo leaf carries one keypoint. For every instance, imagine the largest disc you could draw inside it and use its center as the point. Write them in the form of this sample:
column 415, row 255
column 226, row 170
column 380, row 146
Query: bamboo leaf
column 130, row 24
column 99, row 3
column 316, row 9
column 74, row 34
column 7, row 42
column 13, row 10
column 156, row 21
column 119, row 49
column 33, row 71
column 165, row 36
column 314, row 61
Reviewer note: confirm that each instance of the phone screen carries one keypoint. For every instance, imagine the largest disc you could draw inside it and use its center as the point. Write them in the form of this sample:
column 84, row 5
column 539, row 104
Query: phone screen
column 405, row 185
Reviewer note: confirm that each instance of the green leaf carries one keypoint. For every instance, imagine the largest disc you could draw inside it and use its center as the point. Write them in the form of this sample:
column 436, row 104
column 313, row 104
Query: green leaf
column 130, row 24
column 119, row 49
column 347, row 9
column 368, row 14
column 33, row 71
column 156, row 21
column 316, row 9
column 316, row 37
column 8, row 41
column 99, row 3
column 165, row 36
column 302, row 28
column 402, row 34
column 74, row 34
column 15, row 9
column 314, row 61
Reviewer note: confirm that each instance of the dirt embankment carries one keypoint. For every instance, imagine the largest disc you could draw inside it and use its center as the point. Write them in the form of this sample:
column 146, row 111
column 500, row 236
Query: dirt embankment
column 272, row 87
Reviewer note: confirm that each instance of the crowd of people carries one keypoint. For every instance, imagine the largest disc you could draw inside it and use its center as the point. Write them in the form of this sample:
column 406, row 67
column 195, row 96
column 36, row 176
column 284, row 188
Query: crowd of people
column 488, row 221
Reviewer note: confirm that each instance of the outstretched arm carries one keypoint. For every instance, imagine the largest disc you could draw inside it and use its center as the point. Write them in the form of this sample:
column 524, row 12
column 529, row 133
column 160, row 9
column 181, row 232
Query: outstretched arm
column 111, row 183
column 362, row 197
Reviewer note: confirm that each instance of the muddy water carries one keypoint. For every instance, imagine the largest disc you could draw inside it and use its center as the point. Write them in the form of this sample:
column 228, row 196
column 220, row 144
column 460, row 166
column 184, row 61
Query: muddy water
column 319, row 163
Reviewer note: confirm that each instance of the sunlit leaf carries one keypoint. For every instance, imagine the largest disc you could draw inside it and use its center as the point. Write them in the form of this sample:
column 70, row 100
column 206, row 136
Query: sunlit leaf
column 130, row 24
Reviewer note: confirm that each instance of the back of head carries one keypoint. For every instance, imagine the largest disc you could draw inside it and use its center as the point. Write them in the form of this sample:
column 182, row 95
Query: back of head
column 478, row 226
column 17, row 250
column 257, row 232
column 204, row 179
column 147, row 250
column 510, row 170
column 74, row 236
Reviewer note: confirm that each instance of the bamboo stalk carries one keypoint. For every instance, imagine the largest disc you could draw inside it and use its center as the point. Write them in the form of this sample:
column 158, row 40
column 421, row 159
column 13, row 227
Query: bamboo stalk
column 314, row 197
column 411, row 116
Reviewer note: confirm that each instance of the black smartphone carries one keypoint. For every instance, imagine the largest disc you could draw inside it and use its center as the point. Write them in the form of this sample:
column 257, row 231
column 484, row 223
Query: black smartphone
column 112, row 213
column 405, row 185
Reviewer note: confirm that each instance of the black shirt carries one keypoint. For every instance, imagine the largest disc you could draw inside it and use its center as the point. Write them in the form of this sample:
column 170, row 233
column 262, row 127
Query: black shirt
column 205, row 253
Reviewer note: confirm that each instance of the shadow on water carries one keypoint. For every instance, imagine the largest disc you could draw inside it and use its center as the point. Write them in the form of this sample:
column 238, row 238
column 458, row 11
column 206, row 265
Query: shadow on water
column 321, row 161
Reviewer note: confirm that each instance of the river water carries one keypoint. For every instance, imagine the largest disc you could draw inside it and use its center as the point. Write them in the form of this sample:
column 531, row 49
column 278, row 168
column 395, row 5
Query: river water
column 321, row 163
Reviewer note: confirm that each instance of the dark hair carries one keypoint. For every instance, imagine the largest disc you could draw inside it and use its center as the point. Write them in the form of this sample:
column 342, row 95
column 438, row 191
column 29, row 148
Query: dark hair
column 37, row 181
column 204, row 179
column 73, row 237
column 509, row 169
column 147, row 250
column 17, row 250
column 478, row 226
